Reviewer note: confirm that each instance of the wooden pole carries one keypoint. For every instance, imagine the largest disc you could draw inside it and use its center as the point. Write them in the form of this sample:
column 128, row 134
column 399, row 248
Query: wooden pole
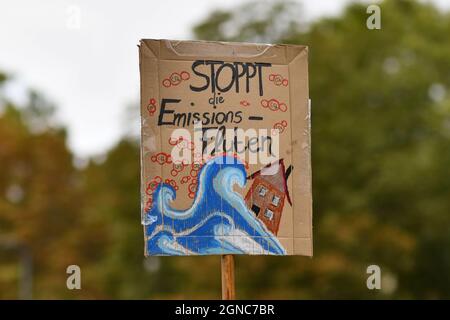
column 227, row 266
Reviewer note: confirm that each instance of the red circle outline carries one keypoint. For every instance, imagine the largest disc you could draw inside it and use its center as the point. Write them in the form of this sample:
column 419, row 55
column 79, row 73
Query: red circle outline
column 185, row 75
column 175, row 81
column 166, row 83
column 275, row 105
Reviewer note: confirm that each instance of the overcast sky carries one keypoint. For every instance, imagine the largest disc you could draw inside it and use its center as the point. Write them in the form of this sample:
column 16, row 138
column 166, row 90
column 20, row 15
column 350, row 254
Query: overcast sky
column 82, row 54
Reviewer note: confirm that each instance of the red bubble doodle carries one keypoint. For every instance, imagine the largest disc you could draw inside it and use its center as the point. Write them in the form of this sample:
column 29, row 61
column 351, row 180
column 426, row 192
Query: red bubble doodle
column 279, row 127
column 151, row 106
column 185, row 144
column 174, row 142
column 177, row 167
column 195, row 168
column 193, row 173
column 162, row 158
column 274, row 105
column 244, row 103
column 148, row 204
column 278, row 79
column 175, row 79
column 152, row 184
column 182, row 143
column 171, row 183
column 192, row 188
column 185, row 179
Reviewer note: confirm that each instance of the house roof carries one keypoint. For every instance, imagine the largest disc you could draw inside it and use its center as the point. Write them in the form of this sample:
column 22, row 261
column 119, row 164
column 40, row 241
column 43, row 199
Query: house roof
column 269, row 177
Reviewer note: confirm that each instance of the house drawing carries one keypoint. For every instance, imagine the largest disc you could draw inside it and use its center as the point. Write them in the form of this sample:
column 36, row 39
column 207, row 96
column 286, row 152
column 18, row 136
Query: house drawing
column 268, row 193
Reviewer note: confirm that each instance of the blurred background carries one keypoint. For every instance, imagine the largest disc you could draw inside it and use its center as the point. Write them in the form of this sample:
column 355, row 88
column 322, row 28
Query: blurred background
column 69, row 148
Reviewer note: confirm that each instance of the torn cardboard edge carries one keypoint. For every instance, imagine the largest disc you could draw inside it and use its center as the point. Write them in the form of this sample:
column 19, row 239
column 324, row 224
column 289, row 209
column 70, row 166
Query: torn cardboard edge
column 246, row 52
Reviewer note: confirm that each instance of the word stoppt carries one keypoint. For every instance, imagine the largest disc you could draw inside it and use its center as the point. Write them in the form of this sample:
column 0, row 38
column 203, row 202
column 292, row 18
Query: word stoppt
column 220, row 76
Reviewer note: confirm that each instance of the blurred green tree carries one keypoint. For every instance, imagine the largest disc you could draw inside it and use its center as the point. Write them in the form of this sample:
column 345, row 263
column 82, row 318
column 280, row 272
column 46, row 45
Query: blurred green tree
column 38, row 190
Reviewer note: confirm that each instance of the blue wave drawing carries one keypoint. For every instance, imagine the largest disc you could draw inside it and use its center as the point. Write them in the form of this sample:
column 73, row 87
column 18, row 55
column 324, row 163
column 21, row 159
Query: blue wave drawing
column 218, row 221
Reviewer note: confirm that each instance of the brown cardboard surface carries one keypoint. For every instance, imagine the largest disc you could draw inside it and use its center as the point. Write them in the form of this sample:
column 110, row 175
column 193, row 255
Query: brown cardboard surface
column 195, row 208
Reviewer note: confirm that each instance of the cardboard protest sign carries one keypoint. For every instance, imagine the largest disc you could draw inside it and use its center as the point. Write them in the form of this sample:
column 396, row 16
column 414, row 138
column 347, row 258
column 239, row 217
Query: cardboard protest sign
column 225, row 149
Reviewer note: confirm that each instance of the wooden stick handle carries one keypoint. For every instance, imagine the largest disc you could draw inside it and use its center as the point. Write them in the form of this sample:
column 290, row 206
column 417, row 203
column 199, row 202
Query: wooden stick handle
column 227, row 266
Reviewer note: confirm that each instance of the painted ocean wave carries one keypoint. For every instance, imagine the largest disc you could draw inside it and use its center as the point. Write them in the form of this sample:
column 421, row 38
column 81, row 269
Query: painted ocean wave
column 217, row 222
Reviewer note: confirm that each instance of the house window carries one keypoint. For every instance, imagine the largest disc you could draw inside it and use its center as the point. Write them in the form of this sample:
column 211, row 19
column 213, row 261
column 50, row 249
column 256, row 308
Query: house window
column 268, row 214
column 275, row 200
column 262, row 191
column 256, row 209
